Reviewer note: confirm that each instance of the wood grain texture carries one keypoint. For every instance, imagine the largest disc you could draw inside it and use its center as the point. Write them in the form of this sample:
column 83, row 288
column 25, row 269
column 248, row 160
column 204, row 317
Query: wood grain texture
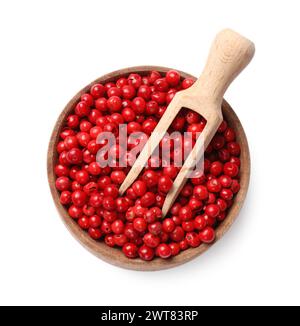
column 114, row 255
column 229, row 54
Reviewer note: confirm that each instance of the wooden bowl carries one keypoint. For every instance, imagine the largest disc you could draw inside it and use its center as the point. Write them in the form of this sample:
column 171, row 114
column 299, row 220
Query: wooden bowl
column 114, row 255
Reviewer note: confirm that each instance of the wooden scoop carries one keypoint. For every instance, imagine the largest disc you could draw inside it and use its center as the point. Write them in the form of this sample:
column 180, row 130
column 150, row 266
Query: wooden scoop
column 229, row 55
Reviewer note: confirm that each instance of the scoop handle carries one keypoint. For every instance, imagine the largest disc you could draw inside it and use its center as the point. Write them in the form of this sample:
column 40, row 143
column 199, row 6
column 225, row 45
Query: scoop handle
column 230, row 53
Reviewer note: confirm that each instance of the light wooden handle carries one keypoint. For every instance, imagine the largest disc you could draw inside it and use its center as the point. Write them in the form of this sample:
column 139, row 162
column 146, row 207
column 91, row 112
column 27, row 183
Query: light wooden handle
column 229, row 55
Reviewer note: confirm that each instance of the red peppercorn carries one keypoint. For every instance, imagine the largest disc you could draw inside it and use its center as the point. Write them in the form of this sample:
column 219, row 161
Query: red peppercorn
column 148, row 126
column 183, row 244
column 225, row 181
column 192, row 117
column 121, row 82
column 151, row 240
column 235, row 160
column 165, row 183
column 67, row 132
column 65, row 197
column 185, row 213
column 218, row 142
column 161, row 85
column 187, row 82
column 231, row 169
column 83, row 222
column 75, row 212
column 111, row 190
column 188, row 226
column 229, row 135
column 144, row 91
column 130, row 232
column 200, row 222
column 170, row 171
column 62, row 183
column 150, row 216
column 117, row 177
column 79, row 198
column 96, row 199
column 139, row 188
column 195, row 129
column 235, row 186
column 140, row 224
column 200, row 192
column 159, row 97
column 222, row 204
column 195, row 203
column 216, row 168
column 140, row 211
column 178, row 123
column 157, row 212
column 97, row 90
column 94, row 168
column 138, row 105
column 148, row 199
column 88, row 210
column 130, row 250
column 82, row 109
column 114, row 91
column 159, row 200
column 175, row 209
column 117, row 227
column 128, row 92
column 108, row 85
column 76, row 186
column 128, row 114
column 109, row 240
column 87, row 98
column 73, row 121
column 154, row 75
column 211, row 198
column 95, row 221
column 135, row 80
column 172, row 77
column 106, row 228
column 151, row 108
column 108, row 216
column 95, row 233
column 214, row 185
column 74, row 156
column 163, row 251
column 226, row 194
column 193, row 239
column 178, row 234
column 120, row 239
column 146, row 253
column 114, row 103
column 168, row 225
column 223, row 155
column 150, row 177
column 234, row 148
column 82, row 177
column 175, row 248
column 155, row 228
column 212, row 210
column 60, row 147
column 207, row 235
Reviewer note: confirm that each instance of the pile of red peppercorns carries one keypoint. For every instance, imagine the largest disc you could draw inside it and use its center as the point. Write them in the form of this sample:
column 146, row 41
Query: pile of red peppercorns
column 134, row 221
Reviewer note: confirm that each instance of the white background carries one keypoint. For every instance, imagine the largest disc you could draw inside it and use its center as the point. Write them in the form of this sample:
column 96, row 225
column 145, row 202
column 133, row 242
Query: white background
column 51, row 49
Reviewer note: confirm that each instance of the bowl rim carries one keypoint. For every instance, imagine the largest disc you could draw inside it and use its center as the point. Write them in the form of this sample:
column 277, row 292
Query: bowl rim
column 114, row 256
